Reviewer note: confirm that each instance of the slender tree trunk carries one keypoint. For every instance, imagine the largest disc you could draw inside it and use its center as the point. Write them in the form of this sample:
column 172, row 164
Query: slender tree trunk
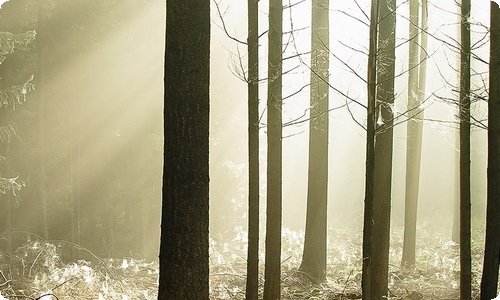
column 184, row 249
column 252, row 287
column 314, row 256
column 465, row 199
column 489, row 280
column 370, row 155
column 272, row 284
column 416, row 92
column 75, row 183
column 40, row 86
column 383, row 150
column 455, row 231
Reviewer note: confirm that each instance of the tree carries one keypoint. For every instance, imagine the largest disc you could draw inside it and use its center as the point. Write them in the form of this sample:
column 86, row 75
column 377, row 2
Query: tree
column 370, row 155
column 252, row 287
column 489, row 280
column 314, row 255
column 383, row 149
column 272, row 284
column 184, row 268
column 464, row 113
column 416, row 92
column 41, row 131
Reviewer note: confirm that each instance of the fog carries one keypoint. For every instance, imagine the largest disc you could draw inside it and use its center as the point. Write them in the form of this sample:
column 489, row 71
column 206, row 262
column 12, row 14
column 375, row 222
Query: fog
column 349, row 31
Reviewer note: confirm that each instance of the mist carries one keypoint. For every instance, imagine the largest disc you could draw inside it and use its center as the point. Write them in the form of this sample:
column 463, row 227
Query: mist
column 347, row 137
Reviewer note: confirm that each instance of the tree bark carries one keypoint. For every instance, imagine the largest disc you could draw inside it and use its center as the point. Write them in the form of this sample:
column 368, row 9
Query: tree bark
column 465, row 199
column 383, row 150
column 489, row 280
column 184, row 249
column 272, row 284
column 252, row 286
column 314, row 255
column 370, row 156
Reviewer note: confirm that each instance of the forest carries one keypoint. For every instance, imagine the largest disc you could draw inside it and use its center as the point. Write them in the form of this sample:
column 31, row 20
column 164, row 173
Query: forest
column 295, row 149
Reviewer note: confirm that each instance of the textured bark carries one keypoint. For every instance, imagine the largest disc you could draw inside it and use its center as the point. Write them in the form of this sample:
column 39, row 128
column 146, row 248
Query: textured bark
column 252, row 286
column 370, row 156
column 272, row 285
column 314, row 256
column 383, row 149
column 465, row 199
column 489, row 280
column 184, row 267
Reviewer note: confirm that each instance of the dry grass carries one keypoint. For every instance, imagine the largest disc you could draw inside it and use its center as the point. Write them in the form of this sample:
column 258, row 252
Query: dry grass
column 36, row 270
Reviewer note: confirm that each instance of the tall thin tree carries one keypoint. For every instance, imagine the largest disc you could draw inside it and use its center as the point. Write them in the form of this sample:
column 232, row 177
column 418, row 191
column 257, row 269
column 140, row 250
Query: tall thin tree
column 464, row 113
column 416, row 93
column 489, row 280
column 314, row 256
column 272, row 284
column 252, row 286
column 41, row 39
column 383, row 149
column 184, row 268
column 367, row 251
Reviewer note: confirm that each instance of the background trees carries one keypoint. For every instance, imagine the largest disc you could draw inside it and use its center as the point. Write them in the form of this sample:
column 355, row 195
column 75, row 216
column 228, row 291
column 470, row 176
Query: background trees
column 314, row 255
column 102, row 124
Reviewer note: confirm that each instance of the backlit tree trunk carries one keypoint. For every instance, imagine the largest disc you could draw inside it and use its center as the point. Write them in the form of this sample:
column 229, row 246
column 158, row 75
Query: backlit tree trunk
column 272, row 284
column 252, row 286
column 370, row 155
column 383, row 149
column 465, row 200
column 489, row 281
column 40, row 86
column 314, row 256
column 184, row 267
column 416, row 93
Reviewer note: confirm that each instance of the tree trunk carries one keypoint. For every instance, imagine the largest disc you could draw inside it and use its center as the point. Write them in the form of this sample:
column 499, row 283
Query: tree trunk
column 489, row 280
column 465, row 200
column 75, row 183
column 184, row 249
column 272, row 284
column 252, row 286
column 383, row 150
column 41, row 132
column 370, row 155
column 416, row 93
column 314, row 256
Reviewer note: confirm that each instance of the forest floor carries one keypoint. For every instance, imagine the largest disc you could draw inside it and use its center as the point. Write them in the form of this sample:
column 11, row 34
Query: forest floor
column 36, row 271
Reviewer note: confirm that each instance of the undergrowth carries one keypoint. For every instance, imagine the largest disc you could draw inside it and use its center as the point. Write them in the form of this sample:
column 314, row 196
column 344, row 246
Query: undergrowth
column 36, row 271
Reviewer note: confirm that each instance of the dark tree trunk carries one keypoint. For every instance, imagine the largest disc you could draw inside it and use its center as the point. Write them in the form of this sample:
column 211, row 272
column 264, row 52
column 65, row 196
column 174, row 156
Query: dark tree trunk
column 314, row 256
column 252, row 287
column 272, row 284
column 465, row 200
column 383, row 150
column 489, row 280
column 370, row 156
column 184, row 266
